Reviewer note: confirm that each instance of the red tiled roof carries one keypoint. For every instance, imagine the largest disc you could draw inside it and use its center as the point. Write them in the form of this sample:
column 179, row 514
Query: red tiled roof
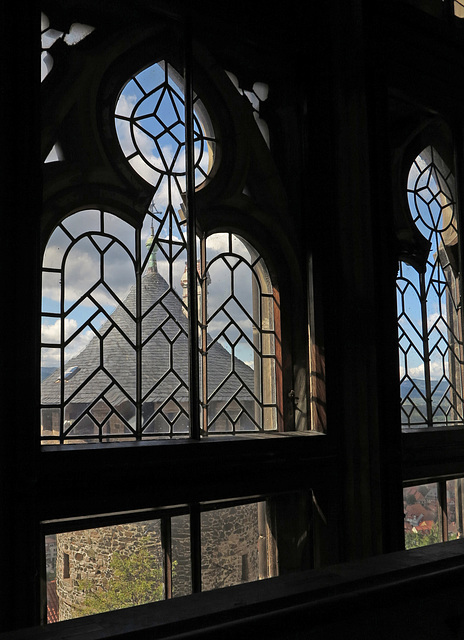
column 425, row 525
column 52, row 602
column 418, row 510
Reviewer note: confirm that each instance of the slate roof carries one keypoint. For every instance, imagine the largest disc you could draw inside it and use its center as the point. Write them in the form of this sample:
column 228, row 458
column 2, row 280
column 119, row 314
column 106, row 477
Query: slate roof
column 165, row 347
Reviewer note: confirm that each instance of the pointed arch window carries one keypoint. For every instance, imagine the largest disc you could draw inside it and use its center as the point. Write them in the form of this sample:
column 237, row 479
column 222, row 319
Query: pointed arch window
column 429, row 302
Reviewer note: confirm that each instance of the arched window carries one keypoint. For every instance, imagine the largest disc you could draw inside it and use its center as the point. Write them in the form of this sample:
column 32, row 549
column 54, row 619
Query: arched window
column 429, row 302
column 117, row 339
column 239, row 317
column 89, row 328
column 115, row 332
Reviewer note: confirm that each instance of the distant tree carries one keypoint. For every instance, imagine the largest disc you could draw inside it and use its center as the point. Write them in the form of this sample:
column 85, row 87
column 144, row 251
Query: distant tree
column 433, row 536
column 135, row 579
column 421, row 538
column 410, row 499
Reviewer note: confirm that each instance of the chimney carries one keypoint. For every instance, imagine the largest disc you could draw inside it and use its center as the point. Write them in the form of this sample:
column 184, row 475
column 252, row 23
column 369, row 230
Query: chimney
column 184, row 284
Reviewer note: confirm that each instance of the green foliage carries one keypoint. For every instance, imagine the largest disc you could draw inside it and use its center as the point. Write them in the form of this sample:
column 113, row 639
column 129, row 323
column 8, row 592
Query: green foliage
column 421, row 539
column 135, row 579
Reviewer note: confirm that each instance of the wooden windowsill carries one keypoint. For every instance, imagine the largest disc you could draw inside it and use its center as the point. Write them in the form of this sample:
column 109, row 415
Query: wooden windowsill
column 355, row 589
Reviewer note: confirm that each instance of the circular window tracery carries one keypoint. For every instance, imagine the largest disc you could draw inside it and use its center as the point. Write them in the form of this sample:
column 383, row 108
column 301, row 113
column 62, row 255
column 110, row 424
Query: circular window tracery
column 150, row 125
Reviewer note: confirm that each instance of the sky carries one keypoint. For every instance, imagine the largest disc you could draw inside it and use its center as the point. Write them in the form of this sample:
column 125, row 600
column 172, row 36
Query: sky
column 154, row 140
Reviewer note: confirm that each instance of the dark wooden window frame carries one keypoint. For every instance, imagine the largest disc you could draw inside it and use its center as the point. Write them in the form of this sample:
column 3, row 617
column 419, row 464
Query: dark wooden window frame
column 214, row 470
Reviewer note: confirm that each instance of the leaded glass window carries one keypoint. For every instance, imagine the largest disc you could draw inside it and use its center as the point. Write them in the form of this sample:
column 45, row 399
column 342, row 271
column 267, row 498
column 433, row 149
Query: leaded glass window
column 238, row 316
column 150, row 125
column 429, row 303
column 117, row 343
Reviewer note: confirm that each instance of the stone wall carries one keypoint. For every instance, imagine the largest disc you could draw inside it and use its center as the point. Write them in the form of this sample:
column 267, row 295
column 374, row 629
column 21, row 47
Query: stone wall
column 229, row 546
column 229, row 553
column 86, row 556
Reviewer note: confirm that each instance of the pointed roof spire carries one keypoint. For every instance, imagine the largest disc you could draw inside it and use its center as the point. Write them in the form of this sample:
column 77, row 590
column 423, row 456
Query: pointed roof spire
column 152, row 266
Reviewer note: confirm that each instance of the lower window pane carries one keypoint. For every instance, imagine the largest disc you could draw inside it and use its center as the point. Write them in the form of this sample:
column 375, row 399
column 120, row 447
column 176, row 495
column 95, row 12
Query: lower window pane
column 181, row 564
column 420, row 505
column 103, row 569
column 454, row 503
column 229, row 545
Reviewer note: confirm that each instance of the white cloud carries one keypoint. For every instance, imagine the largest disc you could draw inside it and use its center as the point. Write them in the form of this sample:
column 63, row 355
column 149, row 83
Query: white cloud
column 218, row 243
column 125, row 106
column 146, row 148
column 436, row 370
column 416, row 168
column 82, row 272
column 79, row 343
column 51, row 334
column 431, row 319
column 170, row 155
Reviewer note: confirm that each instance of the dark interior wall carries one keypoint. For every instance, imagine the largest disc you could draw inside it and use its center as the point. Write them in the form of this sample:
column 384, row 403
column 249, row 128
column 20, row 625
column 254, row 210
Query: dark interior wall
column 21, row 193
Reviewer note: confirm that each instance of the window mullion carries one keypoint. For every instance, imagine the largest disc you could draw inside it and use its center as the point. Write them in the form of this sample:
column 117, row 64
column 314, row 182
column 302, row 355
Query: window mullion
column 459, row 493
column 443, row 511
column 138, row 337
column 204, row 335
column 62, row 353
column 166, row 542
column 194, row 369
column 425, row 341
column 195, row 546
column 458, row 199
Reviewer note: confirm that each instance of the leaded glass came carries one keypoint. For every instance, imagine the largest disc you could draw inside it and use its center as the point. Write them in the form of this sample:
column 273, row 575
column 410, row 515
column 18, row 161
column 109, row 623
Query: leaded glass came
column 429, row 303
column 115, row 332
column 115, row 308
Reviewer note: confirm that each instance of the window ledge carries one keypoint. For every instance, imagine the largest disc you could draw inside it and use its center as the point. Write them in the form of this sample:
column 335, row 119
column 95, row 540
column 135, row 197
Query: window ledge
column 375, row 591
column 177, row 442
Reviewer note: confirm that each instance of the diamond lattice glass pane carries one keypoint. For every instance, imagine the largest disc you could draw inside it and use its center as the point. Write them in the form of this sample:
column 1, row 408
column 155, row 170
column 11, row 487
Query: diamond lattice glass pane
column 150, row 125
column 429, row 331
column 239, row 314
